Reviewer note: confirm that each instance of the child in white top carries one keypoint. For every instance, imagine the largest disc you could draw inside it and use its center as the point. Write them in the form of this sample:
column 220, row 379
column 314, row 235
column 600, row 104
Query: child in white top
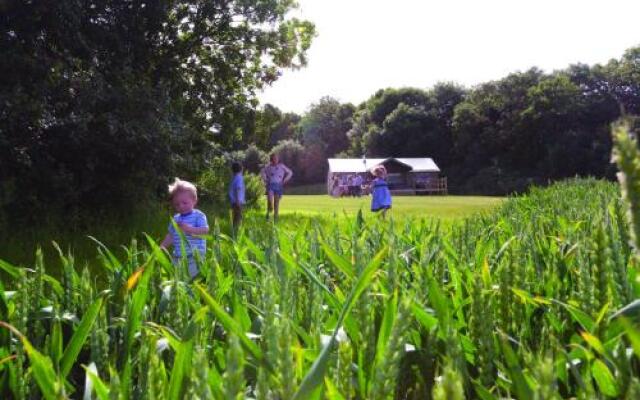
column 275, row 176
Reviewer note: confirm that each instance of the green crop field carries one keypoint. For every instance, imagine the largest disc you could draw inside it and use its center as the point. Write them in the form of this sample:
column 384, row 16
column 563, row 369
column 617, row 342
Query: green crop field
column 523, row 301
column 446, row 207
column 20, row 246
column 536, row 298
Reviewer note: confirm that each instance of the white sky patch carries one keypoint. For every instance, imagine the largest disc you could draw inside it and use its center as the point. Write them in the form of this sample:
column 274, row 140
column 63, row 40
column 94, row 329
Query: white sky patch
column 366, row 45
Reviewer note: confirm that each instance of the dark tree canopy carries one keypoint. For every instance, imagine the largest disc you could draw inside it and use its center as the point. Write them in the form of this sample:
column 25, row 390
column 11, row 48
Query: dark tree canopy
column 502, row 136
column 103, row 101
column 326, row 124
column 107, row 98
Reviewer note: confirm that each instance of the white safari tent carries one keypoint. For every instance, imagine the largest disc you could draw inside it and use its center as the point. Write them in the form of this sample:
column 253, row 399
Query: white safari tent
column 405, row 175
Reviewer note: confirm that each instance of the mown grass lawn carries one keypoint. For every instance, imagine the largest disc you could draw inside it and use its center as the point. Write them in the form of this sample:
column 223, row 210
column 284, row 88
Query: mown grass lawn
column 295, row 210
column 445, row 207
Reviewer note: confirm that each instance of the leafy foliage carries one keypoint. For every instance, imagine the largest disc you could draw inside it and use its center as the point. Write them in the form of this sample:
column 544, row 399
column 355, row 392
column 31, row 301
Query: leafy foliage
column 108, row 99
column 506, row 135
column 529, row 301
column 213, row 185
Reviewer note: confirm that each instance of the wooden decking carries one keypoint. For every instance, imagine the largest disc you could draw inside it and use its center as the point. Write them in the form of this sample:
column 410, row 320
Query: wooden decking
column 439, row 188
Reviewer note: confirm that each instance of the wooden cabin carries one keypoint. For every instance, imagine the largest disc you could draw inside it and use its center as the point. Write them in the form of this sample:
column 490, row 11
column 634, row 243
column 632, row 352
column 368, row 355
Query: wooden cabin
column 404, row 175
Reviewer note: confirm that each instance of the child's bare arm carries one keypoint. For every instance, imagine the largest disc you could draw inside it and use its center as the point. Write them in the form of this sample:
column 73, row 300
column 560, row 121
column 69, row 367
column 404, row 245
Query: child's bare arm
column 193, row 230
column 201, row 230
column 288, row 174
column 167, row 241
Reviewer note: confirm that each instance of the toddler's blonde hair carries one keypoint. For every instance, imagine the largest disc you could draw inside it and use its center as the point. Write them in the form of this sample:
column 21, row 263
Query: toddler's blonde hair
column 380, row 170
column 179, row 185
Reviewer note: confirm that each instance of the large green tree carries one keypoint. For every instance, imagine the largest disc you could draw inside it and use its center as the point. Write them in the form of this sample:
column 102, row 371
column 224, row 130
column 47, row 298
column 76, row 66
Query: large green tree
column 323, row 132
column 365, row 134
column 286, row 129
column 101, row 100
column 417, row 122
column 326, row 123
column 267, row 125
column 501, row 136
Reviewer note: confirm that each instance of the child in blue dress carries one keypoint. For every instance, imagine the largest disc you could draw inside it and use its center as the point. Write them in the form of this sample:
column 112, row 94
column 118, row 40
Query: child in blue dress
column 380, row 194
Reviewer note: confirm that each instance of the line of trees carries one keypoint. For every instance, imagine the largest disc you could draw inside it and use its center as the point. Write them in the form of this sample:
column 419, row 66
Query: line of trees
column 496, row 138
column 102, row 102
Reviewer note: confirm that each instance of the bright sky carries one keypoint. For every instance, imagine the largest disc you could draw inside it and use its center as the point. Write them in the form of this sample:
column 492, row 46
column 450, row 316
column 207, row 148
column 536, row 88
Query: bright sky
column 366, row 45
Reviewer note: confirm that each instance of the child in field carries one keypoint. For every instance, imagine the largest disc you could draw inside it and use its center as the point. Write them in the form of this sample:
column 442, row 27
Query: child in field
column 275, row 175
column 236, row 195
column 190, row 221
column 380, row 194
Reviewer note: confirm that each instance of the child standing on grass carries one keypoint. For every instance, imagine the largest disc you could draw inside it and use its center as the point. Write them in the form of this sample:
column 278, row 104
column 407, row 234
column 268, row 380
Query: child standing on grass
column 380, row 194
column 191, row 223
column 275, row 175
column 236, row 195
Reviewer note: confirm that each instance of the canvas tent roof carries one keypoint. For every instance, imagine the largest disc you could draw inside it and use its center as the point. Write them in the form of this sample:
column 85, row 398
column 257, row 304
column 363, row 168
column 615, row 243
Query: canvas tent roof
column 365, row 164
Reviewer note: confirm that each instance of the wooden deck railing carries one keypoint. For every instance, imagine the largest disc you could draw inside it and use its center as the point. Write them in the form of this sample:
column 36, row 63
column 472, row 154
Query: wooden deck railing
column 440, row 187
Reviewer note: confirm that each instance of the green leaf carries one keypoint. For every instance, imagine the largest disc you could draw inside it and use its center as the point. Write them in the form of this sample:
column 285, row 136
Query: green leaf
column 80, row 336
column 54, row 283
column 110, row 261
column 41, row 366
column 55, row 346
column 385, row 328
column 504, row 247
column 332, row 392
column 449, row 251
column 486, row 273
column 579, row 316
column 181, row 364
column 309, row 274
column 521, row 388
column 482, row 392
column 632, row 334
column 427, row 320
column 10, row 269
column 594, row 342
column 96, row 384
column 339, row 261
column 631, row 311
column 160, row 255
column 255, row 249
column 602, row 313
column 605, row 380
column 4, row 309
column 5, row 357
column 439, row 303
column 215, row 383
column 524, row 296
column 134, row 322
column 560, row 367
column 172, row 339
column 365, row 278
column 315, row 375
column 232, row 326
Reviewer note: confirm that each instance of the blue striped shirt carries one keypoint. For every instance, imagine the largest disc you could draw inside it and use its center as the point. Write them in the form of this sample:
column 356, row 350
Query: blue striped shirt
column 196, row 219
